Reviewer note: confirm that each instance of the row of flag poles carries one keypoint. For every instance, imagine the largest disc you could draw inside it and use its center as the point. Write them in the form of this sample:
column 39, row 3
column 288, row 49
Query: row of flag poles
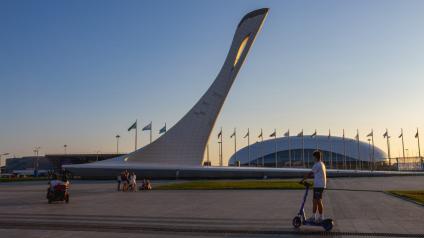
column 314, row 135
column 148, row 127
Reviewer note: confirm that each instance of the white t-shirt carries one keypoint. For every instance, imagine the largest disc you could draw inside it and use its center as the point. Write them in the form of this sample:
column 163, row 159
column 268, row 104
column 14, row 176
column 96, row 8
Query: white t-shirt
column 320, row 175
column 133, row 179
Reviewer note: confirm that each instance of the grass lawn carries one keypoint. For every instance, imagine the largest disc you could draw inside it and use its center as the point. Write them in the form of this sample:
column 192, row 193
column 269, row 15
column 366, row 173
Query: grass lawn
column 232, row 184
column 5, row 180
column 417, row 196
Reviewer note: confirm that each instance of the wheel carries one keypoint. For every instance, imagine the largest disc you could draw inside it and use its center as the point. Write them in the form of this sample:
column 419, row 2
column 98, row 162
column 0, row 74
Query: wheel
column 297, row 222
column 328, row 224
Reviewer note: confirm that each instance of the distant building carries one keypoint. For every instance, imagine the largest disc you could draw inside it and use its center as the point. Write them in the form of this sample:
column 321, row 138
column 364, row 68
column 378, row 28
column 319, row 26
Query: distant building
column 27, row 163
column 57, row 160
column 53, row 161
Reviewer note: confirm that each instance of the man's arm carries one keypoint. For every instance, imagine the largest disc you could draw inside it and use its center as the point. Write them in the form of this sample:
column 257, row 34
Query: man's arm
column 308, row 175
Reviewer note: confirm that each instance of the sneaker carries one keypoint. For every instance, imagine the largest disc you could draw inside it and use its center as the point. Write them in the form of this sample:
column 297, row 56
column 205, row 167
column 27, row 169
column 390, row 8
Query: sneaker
column 311, row 219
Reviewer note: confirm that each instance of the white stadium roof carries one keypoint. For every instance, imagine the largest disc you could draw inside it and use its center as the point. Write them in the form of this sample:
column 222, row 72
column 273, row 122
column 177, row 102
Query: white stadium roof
column 334, row 144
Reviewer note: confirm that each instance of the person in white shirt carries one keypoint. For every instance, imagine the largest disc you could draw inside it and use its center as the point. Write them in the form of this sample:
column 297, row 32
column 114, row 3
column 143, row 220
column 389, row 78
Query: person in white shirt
column 133, row 182
column 319, row 172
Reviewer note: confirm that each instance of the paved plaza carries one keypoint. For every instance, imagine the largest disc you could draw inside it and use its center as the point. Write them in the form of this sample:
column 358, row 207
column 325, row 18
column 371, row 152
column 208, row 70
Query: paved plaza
column 96, row 210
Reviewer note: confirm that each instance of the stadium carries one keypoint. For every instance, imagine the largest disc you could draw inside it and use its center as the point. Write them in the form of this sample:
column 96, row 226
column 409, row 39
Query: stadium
column 296, row 151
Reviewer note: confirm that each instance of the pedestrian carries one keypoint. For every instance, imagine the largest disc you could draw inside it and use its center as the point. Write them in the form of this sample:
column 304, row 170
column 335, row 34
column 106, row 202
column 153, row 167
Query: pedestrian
column 118, row 179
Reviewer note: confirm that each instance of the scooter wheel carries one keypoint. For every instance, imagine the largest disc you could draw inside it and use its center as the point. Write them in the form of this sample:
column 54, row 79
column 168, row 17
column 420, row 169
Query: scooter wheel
column 297, row 222
column 328, row 224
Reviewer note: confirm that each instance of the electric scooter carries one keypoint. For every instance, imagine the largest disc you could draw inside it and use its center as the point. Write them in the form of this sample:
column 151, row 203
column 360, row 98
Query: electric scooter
column 300, row 219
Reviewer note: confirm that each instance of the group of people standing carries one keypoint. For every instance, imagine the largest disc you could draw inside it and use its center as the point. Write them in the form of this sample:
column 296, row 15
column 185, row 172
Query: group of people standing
column 129, row 182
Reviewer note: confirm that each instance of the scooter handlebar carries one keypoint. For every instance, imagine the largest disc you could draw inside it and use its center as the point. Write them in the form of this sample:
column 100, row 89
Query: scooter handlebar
column 305, row 183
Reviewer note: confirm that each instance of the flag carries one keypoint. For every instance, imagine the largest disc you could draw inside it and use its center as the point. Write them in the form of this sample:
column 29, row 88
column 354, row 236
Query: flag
column 401, row 135
column 163, row 130
column 220, row 134
column 260, row 135
column 357, row 136
column 247, row 134
column 234, row 134
column 416, row 134
column 300, row 133
column 315, row 134
column 287, row 133
column 148, row 127
column 370, row 134
column 134, row 126
column 385, row 134
column 273, row 134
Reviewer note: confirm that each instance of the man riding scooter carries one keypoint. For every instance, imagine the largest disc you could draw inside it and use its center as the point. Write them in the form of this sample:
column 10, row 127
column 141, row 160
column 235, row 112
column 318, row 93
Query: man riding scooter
column 319, row 172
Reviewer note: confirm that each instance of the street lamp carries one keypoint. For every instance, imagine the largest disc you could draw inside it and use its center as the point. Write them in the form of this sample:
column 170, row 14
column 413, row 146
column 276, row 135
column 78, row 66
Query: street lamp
column 117, row 143
column 97, row 153
column 406, row 158
column 36, row 150
column 369, row 153
column 64, row 147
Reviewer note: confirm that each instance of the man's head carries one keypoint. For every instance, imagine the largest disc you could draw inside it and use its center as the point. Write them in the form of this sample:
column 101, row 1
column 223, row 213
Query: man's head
column 317, row 155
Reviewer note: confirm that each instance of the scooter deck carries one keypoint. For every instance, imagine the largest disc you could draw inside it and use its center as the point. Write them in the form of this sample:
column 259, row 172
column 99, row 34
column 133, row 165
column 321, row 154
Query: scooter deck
column 313, row 223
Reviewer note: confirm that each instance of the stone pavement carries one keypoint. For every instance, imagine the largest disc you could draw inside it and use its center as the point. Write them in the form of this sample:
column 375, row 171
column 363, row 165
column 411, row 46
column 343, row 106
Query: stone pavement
column 96, row 210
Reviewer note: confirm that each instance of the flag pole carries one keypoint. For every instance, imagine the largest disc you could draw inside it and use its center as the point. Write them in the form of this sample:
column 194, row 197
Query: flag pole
column 316, row 139
column 220, row 156
column 235, row 144
column 303, row 149
column 275, row 145
column 388, row 147
column 219, row 153
column 344, row 150
column 331, row 149
column 359, row 153
column 248, row 146
column 135, row 143
column 419, row 150
column 262, row 144
column 289, row 147
column 207, row 153
column 151, row 129
column 373, row 150
column 403, row 144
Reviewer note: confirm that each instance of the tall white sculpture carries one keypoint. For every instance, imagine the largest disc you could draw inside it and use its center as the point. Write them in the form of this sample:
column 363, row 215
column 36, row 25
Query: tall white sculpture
column 185, row 142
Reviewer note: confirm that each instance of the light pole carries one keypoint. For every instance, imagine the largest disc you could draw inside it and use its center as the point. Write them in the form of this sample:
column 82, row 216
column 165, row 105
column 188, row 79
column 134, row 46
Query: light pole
column 406, row 158
column 369, row 153
column 36, row 151
column 97, row 155
column 117, row 143
column 64, row 147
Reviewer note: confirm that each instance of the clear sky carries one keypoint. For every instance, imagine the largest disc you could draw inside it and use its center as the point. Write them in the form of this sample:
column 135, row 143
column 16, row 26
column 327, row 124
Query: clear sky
column 80, row 72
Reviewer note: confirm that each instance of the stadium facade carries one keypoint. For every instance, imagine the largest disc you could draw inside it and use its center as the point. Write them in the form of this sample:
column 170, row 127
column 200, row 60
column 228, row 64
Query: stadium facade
column 296, row 151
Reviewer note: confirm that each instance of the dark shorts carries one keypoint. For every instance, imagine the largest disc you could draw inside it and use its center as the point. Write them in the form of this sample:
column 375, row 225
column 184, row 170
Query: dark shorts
column 318, row 193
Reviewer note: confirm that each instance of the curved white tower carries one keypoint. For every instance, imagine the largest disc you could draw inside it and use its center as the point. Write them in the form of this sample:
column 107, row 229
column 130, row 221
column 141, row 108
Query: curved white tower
column 185, row 142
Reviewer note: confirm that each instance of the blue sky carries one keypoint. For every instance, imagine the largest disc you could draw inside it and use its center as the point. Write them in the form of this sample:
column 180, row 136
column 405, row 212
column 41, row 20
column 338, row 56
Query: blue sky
column 80, row 72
